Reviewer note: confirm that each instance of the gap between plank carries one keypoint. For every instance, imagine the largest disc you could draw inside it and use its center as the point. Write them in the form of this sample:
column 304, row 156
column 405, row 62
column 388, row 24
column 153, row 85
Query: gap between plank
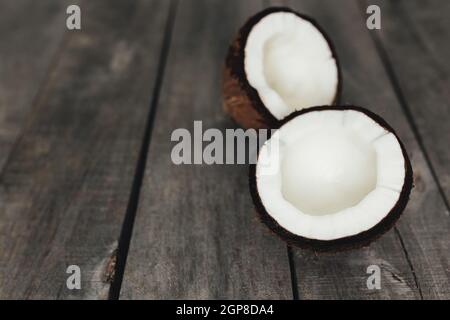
column 404, row 105
column 133, row 202
column 399, row 236
column 294, row 282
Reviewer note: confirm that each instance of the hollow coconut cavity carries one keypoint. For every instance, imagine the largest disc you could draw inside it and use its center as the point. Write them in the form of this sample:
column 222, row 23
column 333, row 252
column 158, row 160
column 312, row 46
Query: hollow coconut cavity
column 281, row 62
column 331, row 178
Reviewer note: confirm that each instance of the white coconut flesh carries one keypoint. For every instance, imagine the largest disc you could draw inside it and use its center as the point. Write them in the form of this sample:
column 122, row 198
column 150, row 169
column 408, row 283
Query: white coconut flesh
column 290, row 64
column 330, row 174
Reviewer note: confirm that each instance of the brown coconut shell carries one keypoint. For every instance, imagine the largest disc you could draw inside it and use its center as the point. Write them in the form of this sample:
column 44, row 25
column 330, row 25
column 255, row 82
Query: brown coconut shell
column 240, row 100
column 352, row 242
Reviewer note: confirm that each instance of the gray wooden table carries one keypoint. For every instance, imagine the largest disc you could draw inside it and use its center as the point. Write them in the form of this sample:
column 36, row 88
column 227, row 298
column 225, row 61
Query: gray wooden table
column 85, row 171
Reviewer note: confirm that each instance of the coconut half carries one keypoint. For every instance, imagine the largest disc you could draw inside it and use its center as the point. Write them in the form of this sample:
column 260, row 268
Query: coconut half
column 281, row 61
column 331, row 178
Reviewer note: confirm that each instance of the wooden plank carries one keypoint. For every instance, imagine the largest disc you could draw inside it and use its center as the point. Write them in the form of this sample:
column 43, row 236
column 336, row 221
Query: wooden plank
column 29, row 44
column 65, row 188
column 196, row 234
column 420, row 65
column 406, row 272
column 427, row 233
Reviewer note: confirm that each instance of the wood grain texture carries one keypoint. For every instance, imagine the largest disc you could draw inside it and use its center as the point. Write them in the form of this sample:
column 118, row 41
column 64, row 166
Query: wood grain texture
column 426, row 232
column 415, row 36
column 29, row 42
column 65, row 187
column 196, row 234
column 407, row 273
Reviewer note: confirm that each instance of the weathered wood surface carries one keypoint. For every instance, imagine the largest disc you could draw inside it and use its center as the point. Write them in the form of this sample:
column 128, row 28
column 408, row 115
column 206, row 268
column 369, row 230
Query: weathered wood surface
column 427, row 229
column 65, row 187
column 195, row 234
column 414, row 258
column 415, row 36
column 86, row 119
column 30, row 42
column 343, row 275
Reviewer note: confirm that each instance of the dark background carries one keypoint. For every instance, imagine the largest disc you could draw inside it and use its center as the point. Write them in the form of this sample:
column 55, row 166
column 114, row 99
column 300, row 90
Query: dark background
column 85, row 170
